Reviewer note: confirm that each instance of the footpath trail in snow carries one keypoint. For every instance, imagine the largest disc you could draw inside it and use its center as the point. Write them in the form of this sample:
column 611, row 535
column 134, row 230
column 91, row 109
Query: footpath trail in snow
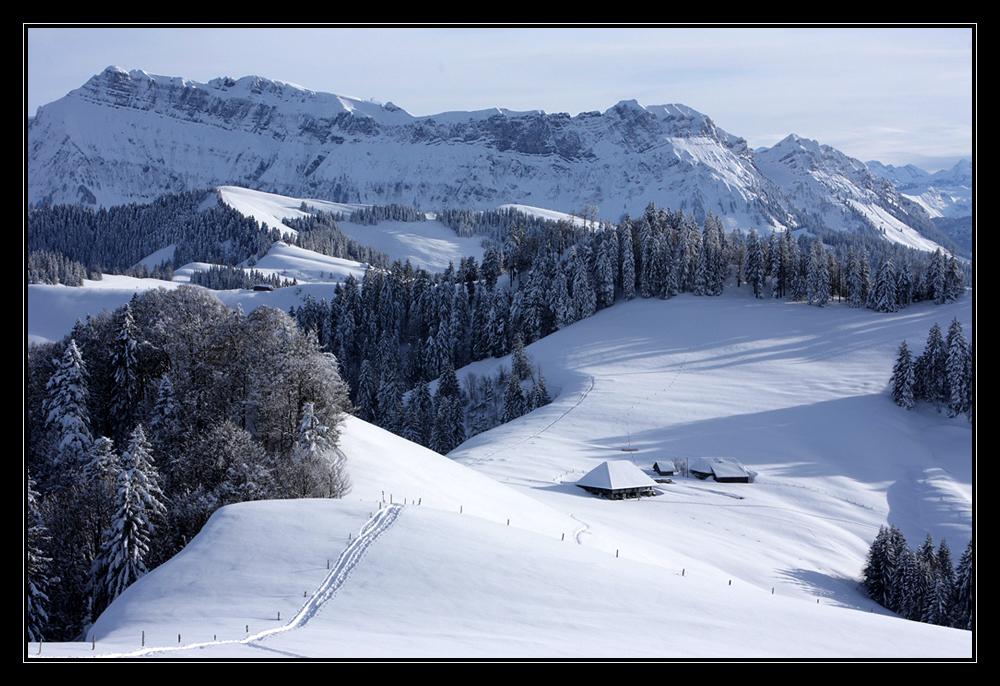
column 348, row 561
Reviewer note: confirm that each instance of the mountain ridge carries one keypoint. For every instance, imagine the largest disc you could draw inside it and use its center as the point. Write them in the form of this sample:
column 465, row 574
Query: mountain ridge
column 128, row 136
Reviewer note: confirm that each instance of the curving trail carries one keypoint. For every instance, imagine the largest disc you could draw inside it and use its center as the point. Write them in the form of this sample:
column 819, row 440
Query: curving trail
column 334, row 581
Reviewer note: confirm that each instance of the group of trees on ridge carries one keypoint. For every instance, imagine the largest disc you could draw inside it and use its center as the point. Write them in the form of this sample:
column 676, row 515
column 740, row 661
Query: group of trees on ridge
column 145, row 420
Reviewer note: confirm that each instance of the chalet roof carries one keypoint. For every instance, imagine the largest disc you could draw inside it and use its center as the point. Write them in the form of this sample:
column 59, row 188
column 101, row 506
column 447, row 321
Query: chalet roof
column 617, row 475
column 721, row 467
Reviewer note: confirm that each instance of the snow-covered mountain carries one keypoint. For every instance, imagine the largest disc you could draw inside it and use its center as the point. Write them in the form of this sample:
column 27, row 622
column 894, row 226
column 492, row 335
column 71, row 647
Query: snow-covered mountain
column 131, row 136
column 946, row 193
column 832, row 190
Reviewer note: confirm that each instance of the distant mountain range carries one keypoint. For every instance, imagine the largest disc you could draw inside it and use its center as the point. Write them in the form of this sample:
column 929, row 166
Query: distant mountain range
column 128, row 136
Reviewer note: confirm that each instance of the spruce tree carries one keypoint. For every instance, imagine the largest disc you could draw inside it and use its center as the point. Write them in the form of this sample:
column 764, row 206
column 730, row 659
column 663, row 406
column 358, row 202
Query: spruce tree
column 932, row 368
column 36, row 568
column 627, row 263
column 67, row 413
column 903, row 378
column 139, row 503
column 514, row 404
column 755, row 273
column 125, row 367
column 957, row 370
column 965, row 589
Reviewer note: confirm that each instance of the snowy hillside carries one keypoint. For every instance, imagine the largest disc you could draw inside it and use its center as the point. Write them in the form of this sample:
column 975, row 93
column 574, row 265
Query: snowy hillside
column 52, row 309
column 494, row 551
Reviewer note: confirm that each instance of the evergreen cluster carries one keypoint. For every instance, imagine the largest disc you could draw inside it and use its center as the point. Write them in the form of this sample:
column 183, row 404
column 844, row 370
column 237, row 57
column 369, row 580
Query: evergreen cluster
column 223, row 278
column 147, row 419
column 923, row 585
column 400, row 328
column 319, row 232
column 111, row 240
column 46, row 266
column 373, row 214
column 942, row 375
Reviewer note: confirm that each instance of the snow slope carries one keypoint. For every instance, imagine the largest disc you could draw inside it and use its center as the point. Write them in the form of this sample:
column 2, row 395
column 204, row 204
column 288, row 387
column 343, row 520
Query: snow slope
column 51, row 310
column 428, row 244
column 494, row 552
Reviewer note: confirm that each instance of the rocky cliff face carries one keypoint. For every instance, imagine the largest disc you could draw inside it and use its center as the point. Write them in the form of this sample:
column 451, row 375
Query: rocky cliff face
column 129, row 137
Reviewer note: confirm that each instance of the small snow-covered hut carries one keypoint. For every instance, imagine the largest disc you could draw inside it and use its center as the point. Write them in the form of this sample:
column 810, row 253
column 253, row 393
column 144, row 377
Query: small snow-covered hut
column 722, row 469
column 664, row 467
column 617, row 480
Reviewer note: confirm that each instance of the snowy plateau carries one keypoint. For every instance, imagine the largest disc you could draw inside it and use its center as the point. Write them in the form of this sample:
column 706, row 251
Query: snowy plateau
column 492, row 552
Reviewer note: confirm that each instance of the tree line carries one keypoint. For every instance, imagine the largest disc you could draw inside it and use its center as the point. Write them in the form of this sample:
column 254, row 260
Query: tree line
column 943, row 374
column 923, row 585
column 112, row 240
column 401, row 327
column 145, row 420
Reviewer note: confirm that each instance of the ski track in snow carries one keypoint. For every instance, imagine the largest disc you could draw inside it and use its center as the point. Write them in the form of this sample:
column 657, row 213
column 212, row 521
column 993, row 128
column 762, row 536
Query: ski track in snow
column 482, row 459
column 334, row 581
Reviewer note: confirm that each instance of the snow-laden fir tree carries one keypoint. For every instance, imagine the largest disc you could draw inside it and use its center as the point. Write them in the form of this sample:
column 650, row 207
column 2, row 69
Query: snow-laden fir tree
column 858, row 279
column 965, row 588
column 67, row 413
column 514, row 403
column 627, row 262
column 584, row 301
column 903, row 378
column 366, row 402
column 138, row 504
column 931, row 368
column 315, row 468
column 36, row 568
column 958, row 370
column 755, row 269
column 605, row 274
column 520, row 364
column 125, row 367
column 540, row 393
column 818, row 275
column 883, row 296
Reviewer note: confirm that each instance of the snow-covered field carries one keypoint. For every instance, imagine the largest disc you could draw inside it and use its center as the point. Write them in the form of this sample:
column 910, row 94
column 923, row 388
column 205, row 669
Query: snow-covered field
column 494, row 552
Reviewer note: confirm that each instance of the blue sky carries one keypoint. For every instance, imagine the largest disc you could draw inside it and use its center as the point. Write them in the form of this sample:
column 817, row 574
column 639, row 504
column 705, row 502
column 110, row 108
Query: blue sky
column 899, row 94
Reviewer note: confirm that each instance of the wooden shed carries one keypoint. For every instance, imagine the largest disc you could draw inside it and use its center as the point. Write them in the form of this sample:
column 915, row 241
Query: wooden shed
column 722, row 469
column 617, row 480
column 664, row 467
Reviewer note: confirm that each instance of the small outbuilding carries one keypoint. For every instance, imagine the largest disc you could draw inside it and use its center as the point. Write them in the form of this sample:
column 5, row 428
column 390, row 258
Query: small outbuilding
column 665, row 467
column 617, row 480
column 722, row 469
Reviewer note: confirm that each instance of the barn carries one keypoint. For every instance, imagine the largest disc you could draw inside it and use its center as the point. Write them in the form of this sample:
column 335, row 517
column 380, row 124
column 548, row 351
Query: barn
column 664, row 467
column 617, row 480
column 722, row 469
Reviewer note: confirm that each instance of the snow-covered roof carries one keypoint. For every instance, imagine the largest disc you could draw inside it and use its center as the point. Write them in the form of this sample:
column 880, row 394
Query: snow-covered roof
column 722, row 467
column 614, row 476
